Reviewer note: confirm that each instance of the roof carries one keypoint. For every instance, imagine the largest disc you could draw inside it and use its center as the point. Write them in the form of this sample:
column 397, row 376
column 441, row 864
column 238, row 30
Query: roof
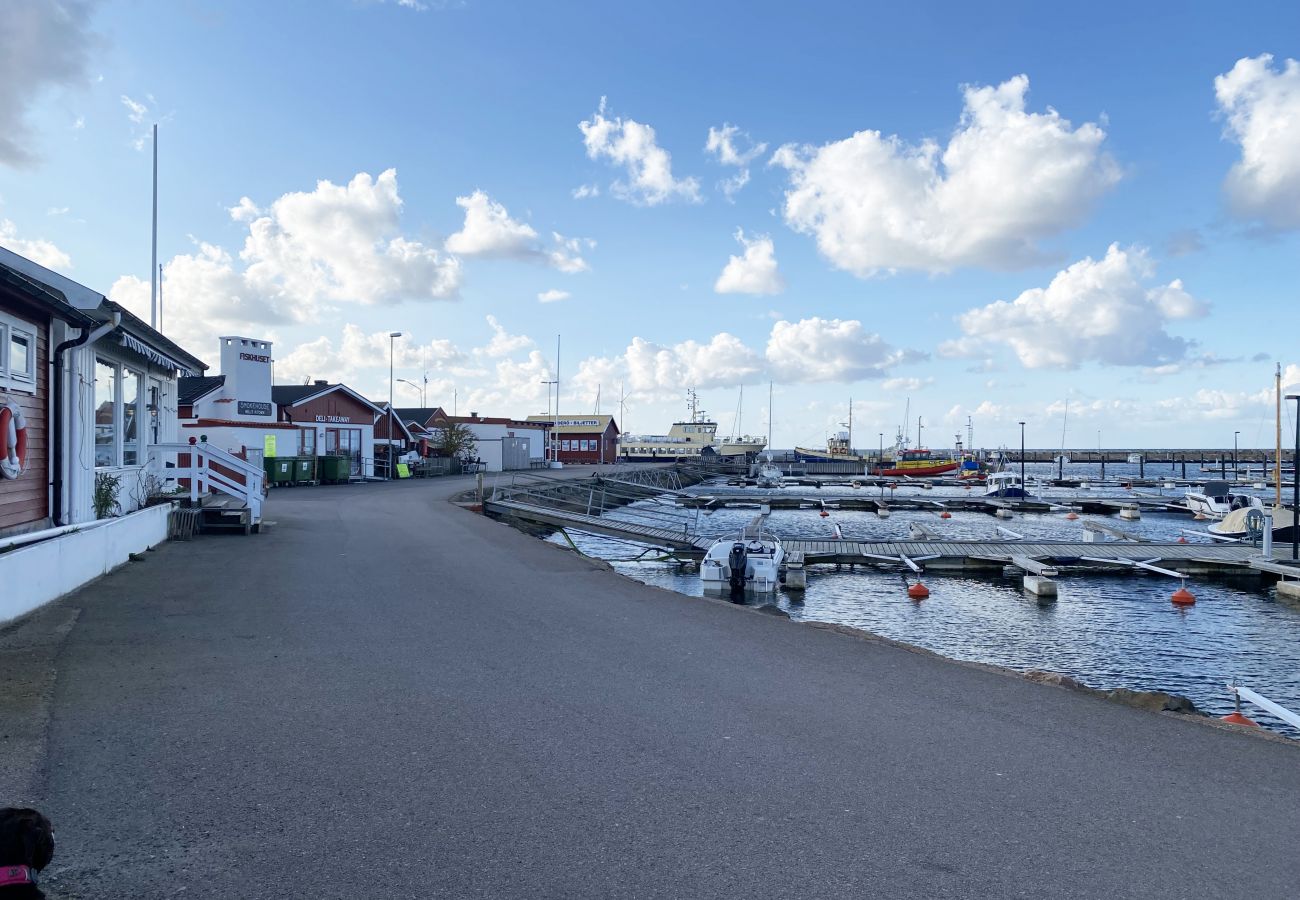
column 294, row 394
column 420, row 414
column 596, row 423
column 45, row 296
column 137, row 327
column 194, row 388
column 384, row 418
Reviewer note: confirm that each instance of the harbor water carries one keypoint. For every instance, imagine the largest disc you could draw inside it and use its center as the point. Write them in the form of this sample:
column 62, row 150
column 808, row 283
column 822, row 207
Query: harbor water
column 1108, row 631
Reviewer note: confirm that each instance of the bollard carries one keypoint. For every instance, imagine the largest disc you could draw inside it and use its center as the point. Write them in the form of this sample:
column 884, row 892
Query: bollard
column 1268, row 536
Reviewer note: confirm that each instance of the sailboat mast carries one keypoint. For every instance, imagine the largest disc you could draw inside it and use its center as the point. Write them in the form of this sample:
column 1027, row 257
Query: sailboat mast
column 850, row 426
column 918, row 433
column 769, row 417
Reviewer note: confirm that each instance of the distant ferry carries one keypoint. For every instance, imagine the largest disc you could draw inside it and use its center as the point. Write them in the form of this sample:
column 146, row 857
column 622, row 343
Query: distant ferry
column 692, row 439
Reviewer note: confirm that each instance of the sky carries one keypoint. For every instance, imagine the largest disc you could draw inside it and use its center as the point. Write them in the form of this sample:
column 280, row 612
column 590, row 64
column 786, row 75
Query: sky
column 1086, row 219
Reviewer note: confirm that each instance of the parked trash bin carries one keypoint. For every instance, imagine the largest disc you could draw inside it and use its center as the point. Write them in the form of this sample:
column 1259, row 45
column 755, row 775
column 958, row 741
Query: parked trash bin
column 279, row 470
column 333, row 469
column 304, row 469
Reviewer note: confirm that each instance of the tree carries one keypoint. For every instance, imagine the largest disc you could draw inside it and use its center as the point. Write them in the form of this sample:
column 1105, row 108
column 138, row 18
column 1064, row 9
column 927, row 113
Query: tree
column 456, row 441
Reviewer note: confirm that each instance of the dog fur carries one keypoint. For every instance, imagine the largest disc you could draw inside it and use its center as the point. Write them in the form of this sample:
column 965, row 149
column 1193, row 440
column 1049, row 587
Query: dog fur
column 26, row 839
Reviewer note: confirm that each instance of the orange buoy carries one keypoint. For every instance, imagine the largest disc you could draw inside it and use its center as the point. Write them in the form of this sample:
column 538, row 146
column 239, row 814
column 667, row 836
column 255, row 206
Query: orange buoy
column 1072, row 515
column 1182, row 540
column 918, row 591
column 1182, row 597
column 945, row 515
column 824, row 514
column 1237, row 718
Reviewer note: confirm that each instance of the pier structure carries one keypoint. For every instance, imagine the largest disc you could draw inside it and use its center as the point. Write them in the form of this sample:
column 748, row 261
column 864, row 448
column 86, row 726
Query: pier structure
column 674, row 526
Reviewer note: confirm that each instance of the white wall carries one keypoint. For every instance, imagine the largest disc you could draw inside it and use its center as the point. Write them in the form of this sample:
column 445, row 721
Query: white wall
column 47, row 570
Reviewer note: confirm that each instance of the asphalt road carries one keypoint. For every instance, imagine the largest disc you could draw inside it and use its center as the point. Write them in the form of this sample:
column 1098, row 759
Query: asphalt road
column 387, row 696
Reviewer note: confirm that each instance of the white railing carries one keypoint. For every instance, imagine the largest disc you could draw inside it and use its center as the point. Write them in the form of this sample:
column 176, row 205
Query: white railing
column 204, row 478
column 1259, row 700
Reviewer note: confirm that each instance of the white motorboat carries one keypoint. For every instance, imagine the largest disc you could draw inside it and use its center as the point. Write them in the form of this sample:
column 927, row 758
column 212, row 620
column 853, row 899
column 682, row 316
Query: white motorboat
column 1216, row 500
column 1004, row 484
column 749, row 563
column 769, row 475
column 1134, row 459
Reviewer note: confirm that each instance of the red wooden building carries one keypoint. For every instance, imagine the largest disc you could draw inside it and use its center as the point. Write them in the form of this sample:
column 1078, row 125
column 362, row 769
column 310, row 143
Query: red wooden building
column 582, row 439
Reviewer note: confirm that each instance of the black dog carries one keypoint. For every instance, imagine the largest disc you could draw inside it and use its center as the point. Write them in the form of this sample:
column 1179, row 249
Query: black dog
column 26, row 847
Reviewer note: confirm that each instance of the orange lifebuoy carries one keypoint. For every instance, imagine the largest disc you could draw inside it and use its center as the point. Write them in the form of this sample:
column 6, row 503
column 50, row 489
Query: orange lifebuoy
column 13, row 441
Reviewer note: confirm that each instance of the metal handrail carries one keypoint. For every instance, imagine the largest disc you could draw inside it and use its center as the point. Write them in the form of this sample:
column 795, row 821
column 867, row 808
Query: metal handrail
column 1274, row 709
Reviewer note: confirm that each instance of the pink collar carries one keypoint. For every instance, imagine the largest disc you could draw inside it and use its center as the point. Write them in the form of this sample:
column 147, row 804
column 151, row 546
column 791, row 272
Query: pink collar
column 11, row 876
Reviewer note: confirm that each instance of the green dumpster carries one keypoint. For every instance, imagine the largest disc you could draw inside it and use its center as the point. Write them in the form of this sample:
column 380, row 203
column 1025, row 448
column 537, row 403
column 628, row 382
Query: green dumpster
column 279, row 470
column 304, row 469
column 334, row 469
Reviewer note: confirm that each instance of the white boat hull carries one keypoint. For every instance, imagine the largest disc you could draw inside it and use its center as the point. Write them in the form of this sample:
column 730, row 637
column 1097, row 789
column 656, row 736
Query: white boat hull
column 764, row 561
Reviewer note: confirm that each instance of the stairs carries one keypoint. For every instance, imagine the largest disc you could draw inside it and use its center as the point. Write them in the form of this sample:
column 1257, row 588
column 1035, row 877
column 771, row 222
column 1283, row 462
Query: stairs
column 220, row 512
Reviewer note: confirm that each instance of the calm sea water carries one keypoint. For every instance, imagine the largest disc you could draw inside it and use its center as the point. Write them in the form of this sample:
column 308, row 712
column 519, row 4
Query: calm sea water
column 1107, row 631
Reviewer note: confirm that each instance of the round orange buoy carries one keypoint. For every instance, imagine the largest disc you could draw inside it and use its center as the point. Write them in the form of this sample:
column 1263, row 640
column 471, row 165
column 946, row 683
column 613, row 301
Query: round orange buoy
column 945, row 515
column 1237, row 718
column 1182, row 597
column 1182, row 540
column 918, row 591
column 824, row 514
column 1072, row 515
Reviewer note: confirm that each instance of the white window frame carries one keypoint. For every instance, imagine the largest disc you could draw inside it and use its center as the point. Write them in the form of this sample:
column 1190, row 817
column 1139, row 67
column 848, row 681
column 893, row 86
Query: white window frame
column 23, row 382
column 122, row 371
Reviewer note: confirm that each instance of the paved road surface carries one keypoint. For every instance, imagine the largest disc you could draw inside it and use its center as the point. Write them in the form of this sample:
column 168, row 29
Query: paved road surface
column 387, row 696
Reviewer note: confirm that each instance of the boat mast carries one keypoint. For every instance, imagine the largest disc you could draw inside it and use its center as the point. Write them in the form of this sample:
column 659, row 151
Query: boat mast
column 850, row 426
column 769, row 417
column 1277, row 460
column 918, row 433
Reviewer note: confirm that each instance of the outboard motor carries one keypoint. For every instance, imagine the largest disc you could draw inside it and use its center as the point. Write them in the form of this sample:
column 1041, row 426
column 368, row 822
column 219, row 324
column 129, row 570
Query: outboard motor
column 736, row 560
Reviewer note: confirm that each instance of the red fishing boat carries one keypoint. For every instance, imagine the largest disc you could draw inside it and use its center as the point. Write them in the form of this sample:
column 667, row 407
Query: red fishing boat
column 916, row 463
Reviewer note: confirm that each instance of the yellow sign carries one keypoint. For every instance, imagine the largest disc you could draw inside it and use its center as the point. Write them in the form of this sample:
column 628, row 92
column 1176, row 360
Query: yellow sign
column 268, row 445
column 403, row 470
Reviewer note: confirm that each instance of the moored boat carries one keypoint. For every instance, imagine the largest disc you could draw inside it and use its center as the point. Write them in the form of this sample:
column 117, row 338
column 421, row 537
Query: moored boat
column 693, row 439
column 1005, row 484
column 1216, row 500
column 749, row 563
column 1249, row 521
column 916, row 463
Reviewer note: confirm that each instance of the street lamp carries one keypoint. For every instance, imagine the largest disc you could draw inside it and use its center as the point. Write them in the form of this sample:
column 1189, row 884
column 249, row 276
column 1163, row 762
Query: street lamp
column 1235, row 470
column 1295, row 483
column 417, row 387
column 1022, row 458
column 882, row 448
column 392, row 337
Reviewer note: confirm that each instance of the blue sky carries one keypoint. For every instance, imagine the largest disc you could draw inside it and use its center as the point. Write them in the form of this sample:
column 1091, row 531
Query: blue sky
column 872, row 266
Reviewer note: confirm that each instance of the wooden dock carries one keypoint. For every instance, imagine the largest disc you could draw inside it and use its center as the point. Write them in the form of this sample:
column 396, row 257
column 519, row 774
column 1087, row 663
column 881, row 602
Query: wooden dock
column 1031, row 556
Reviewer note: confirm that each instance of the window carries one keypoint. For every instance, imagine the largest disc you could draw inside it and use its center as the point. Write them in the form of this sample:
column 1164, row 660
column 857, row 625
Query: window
column 564, row 445
column 108, row 421
column 122, row 415
column 17, row 354
column 307, row 442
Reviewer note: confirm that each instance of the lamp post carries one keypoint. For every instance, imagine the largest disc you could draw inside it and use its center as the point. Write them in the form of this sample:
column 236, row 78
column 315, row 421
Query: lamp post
column 1295, row 484
column 1022, row 457
column 417, row 387
column 1235, row 470
column 881, row 458
column 392, row 337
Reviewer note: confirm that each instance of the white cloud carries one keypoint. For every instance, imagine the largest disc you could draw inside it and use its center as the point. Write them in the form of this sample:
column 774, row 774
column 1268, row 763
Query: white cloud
column 1262, row 107
column 503, row 343
column 722, row 142
column 40, row 251
column 43, row 46
column 753, row 273
column 135, row 111
column 489, row 230
column 584, row 191
column 816, row 350
column 245, row 211
column 906, row 384
column 342, row 244
column 631, row 144
column 552, row 296
column 1095, row 310
column 733, row 147
column 1006, row 180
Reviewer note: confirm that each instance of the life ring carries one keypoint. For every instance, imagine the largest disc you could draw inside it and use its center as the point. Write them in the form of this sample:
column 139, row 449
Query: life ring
column 13, row 441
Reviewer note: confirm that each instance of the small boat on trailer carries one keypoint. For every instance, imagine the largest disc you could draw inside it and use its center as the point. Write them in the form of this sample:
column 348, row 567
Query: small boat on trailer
column 753, row 562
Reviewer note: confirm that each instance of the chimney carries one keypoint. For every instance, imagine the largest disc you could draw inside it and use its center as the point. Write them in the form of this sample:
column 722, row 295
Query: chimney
column 321, row 382
column 473, row 415
column 246, row 365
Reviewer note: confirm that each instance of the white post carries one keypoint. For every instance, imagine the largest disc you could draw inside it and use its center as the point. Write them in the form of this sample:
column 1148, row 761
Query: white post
column 153, row 261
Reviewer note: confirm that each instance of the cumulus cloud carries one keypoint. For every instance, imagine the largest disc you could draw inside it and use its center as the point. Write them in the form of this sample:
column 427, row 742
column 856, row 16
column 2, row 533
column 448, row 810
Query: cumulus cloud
column 341, row 243
column 633, row 145
column 1262, row 108
column 733, row 147
column 307, row 252
column 585, row 191
column 552, row 296
column 38, row 250
column 489, row 231
column 503, row 343
column 753, row 273
column 1006, row 180
column 1096, row 310
column 43, row 47
column 817, row 350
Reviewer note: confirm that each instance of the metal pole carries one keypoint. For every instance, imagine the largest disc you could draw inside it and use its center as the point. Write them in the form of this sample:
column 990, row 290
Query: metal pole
column 392, row 336
column 1295, row 484
column 1022, row 456
column 1235, row 470
column 153, row 260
